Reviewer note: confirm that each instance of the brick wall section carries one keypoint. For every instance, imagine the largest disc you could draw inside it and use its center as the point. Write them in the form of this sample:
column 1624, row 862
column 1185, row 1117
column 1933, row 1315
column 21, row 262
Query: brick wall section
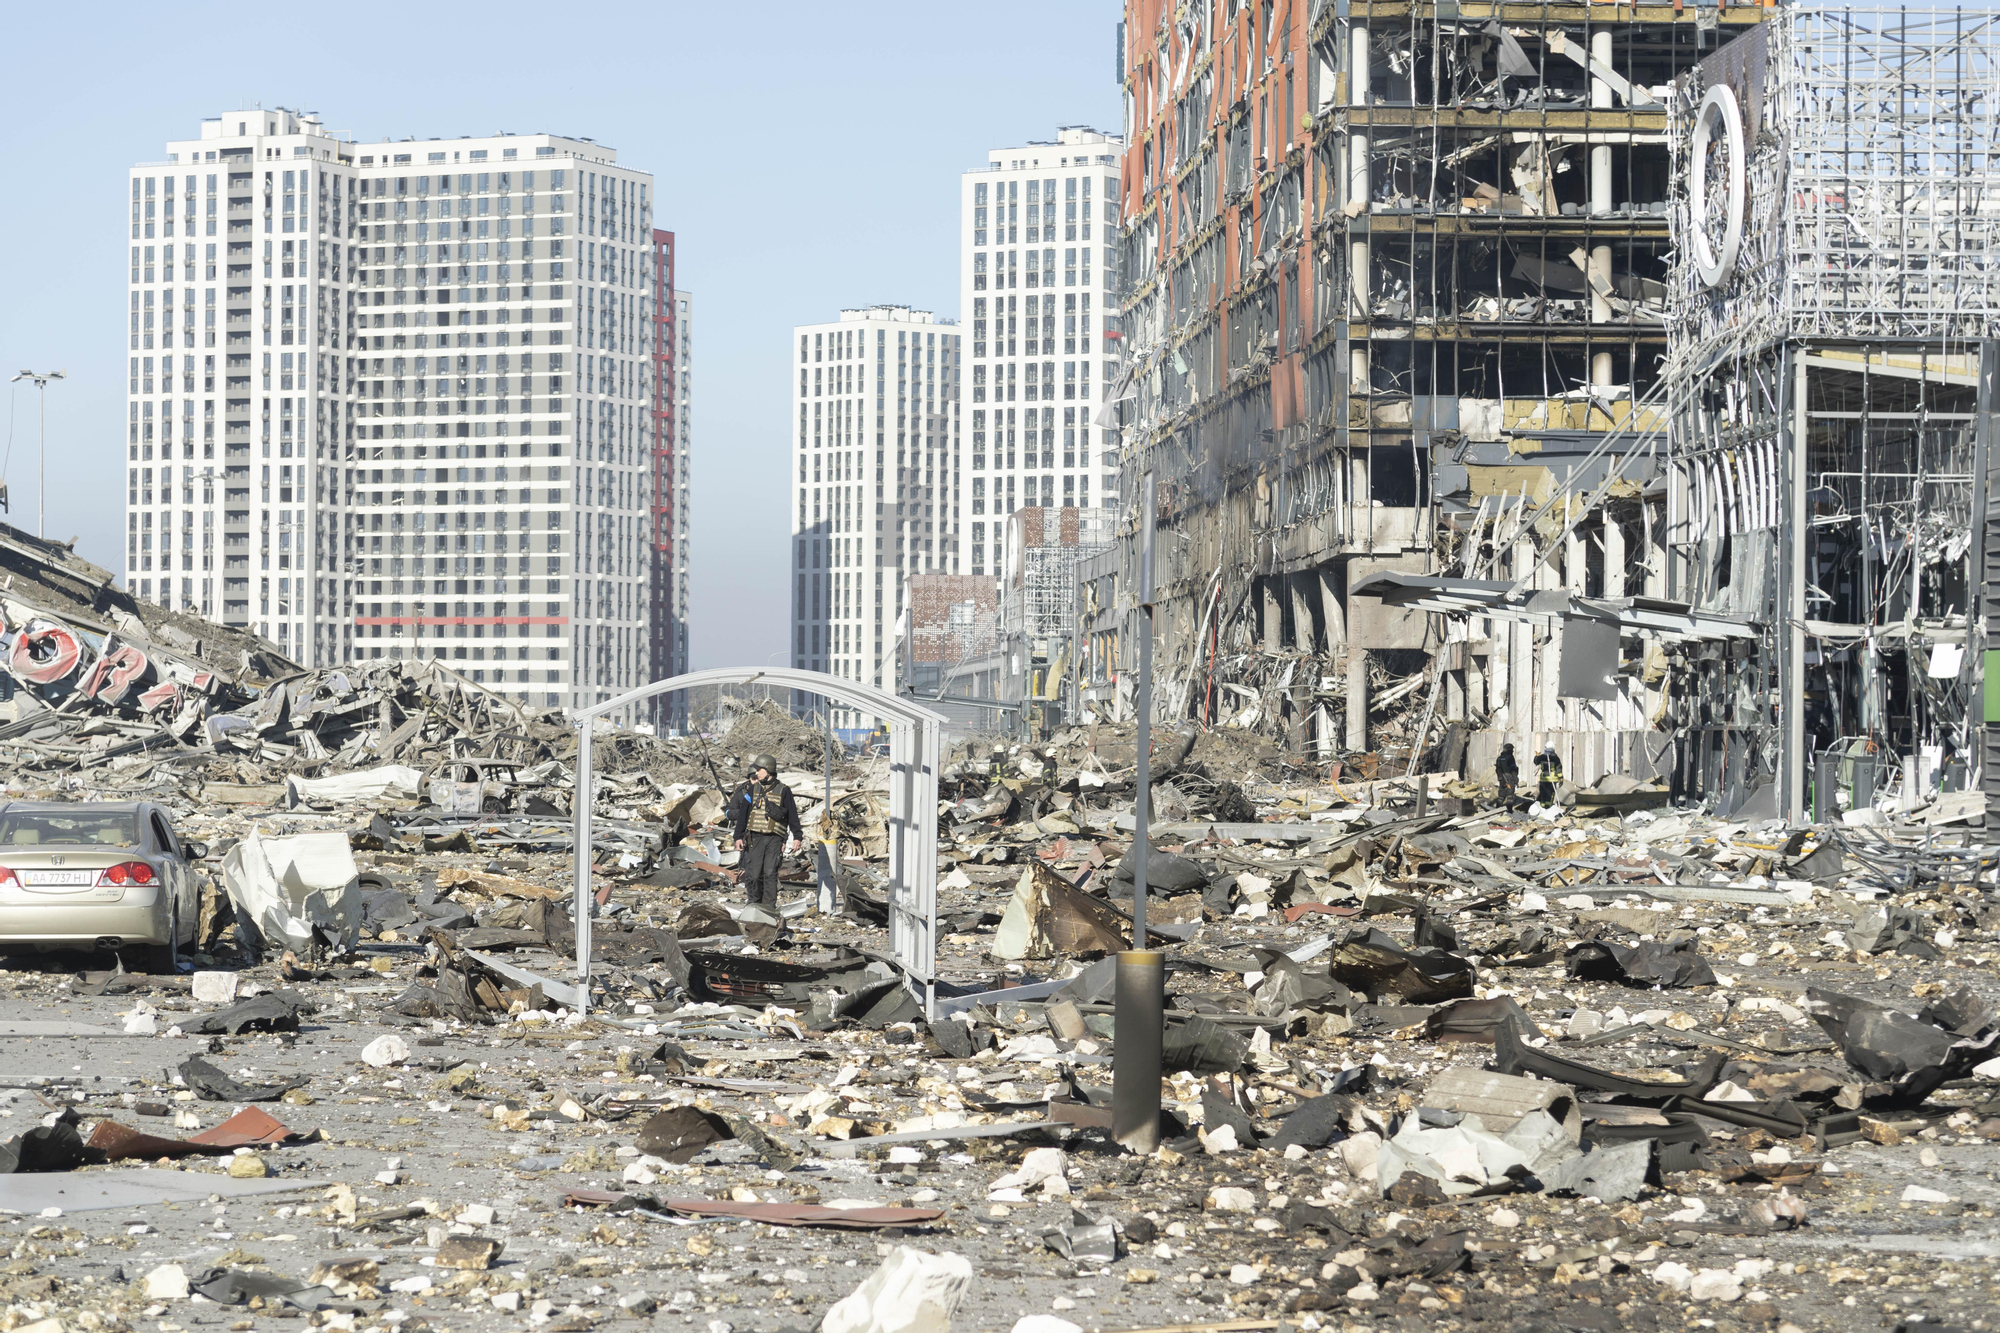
column 932, row 596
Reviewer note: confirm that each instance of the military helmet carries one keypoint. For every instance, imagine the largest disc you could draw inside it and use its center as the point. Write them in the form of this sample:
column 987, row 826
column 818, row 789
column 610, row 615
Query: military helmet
column 764, row 761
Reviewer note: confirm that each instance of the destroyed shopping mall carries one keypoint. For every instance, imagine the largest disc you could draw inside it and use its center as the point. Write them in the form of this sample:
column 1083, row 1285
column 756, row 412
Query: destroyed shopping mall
column 1611, row 378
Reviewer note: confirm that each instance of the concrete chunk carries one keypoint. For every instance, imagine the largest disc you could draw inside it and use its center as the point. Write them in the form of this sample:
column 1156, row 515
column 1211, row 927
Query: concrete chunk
column 214, row 987
column 1500, row 1100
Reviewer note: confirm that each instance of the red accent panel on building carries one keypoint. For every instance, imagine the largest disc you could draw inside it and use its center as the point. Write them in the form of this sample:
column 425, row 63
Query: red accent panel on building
column 461, row 620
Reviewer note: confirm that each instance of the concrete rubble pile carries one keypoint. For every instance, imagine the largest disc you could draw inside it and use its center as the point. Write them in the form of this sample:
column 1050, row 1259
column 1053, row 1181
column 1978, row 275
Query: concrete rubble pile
column 1437, row 1061
column 104, row 692
column 1290, row 706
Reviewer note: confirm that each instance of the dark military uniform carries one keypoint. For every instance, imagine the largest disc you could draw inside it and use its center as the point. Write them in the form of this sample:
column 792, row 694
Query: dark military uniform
column 762, row 813
column 1506, row 772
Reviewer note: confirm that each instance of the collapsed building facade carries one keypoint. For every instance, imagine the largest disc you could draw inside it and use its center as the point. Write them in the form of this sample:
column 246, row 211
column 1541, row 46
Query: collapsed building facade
column 74, row 645
column 1416, row 323
column 1038, row 607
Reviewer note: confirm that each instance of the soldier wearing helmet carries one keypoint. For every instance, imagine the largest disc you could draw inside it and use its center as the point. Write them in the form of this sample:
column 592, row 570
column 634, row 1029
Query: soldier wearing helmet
column 762, row 812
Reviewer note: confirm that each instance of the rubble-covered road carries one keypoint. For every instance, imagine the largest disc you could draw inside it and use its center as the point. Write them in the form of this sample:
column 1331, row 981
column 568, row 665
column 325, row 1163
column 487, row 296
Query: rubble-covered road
column 1454, row 1067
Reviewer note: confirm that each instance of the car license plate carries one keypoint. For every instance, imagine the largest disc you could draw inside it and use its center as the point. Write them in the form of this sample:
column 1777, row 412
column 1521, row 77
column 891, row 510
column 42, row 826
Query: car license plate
column 39, row 878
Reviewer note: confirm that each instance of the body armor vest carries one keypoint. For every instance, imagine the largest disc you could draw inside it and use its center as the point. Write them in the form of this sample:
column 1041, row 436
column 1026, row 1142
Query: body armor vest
column 767, row 808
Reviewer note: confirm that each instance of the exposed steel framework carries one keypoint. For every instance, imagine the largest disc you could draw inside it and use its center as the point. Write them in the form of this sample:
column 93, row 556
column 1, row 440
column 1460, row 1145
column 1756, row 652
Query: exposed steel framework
column 1830, row 364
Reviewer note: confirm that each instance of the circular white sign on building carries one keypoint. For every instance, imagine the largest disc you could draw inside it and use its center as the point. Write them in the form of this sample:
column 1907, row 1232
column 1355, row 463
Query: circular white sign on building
column 1716, row 185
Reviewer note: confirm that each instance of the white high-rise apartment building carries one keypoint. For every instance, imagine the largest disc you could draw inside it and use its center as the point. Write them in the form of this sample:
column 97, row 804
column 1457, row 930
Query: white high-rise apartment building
column 877, row 483
column 1038, row 286
column 392, row 400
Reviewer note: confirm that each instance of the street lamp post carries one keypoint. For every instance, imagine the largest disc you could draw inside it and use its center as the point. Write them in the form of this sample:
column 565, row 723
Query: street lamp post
column 41, row 379
column 1139, row 985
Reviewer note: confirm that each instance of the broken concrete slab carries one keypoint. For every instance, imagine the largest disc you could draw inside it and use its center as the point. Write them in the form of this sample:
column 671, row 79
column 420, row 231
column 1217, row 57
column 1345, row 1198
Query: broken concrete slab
column 54, row 1027
column 1048, row 916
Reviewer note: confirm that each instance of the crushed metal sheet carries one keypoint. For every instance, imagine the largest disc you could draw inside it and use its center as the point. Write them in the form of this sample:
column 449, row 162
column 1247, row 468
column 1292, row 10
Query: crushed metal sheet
column 137, row 1187
column 772, row 1214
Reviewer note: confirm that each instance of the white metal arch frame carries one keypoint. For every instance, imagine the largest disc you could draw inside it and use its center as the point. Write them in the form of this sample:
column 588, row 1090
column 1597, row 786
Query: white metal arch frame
column 915, row 739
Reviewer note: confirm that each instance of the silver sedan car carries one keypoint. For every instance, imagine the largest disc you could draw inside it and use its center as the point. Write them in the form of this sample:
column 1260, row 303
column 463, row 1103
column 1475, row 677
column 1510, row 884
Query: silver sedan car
column 95, row 876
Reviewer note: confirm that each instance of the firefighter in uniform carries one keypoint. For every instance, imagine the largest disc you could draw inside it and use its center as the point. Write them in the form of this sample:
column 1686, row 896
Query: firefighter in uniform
column 763, row 811
column 1551, row 773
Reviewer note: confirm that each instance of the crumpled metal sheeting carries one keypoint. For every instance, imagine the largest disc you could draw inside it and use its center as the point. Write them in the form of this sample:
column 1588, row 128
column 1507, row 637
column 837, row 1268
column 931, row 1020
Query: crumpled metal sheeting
column 1892, row 864
column 1463, row 1159
column 1648, row 963
column 298, row 892
column 1889, row 1044
column 427, row 828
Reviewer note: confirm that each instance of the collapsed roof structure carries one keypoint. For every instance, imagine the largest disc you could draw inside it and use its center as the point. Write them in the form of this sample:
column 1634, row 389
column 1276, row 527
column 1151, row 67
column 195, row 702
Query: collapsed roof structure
column 77, row 645
column 109, row 695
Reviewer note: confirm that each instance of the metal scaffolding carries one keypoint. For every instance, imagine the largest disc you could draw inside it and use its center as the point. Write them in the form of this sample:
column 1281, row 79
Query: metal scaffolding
column 1039, row 597
column 1865, row 171
column 1837, row 214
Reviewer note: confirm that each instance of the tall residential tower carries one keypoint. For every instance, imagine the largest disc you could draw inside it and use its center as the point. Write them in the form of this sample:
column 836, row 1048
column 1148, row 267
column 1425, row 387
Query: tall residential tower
column 876, row 482
column 1038, row 232
column 667, row 619
column 393, row 399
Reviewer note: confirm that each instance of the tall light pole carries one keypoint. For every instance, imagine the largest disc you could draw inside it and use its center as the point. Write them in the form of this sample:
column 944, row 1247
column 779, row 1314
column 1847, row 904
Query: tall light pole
column 1139, row 982
column 41, row 379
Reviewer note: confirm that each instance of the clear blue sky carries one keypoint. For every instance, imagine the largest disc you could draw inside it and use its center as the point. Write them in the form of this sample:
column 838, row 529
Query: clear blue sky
column 807, row 156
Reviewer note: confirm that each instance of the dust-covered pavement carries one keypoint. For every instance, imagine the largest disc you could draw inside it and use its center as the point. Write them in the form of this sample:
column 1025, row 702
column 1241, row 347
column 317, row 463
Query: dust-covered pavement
column 1462, row 1065
column 488, row 1118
